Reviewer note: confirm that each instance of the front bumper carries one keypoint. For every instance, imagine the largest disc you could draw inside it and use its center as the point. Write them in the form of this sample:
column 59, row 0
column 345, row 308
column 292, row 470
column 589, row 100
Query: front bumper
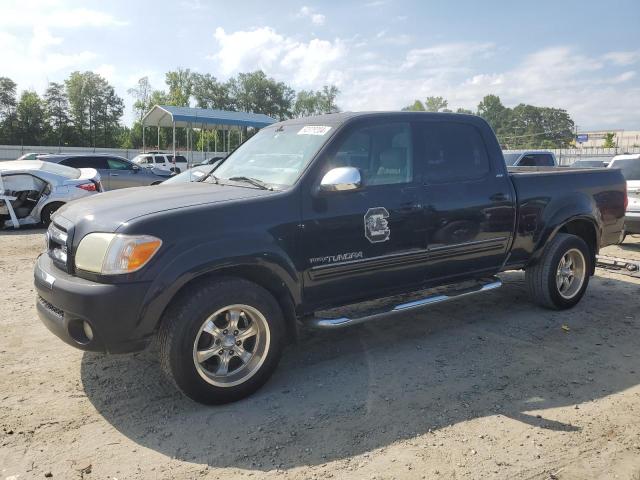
column 111, row 310
column 632, row 222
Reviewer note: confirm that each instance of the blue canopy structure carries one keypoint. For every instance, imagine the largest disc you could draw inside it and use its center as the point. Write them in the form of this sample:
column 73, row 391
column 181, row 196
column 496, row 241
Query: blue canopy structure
column 168, row 116
column 201, row 118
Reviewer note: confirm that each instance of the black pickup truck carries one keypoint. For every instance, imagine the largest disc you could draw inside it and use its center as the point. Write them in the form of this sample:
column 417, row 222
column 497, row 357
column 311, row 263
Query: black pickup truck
column 322, row 222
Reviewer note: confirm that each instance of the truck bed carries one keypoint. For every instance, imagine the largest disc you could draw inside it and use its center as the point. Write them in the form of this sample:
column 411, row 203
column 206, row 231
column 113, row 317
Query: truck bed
column 540, row 190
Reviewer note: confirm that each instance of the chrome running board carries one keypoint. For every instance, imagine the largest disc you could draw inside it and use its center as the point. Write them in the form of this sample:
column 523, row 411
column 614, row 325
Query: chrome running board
column 341, row 322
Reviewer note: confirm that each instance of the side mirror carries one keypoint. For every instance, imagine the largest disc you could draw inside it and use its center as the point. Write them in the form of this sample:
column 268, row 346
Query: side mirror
column 136, row 169
column 341, row 179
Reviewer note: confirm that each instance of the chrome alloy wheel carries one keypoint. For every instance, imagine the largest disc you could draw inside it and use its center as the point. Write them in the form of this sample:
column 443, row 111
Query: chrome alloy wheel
column 571, row 273
column 231, row 345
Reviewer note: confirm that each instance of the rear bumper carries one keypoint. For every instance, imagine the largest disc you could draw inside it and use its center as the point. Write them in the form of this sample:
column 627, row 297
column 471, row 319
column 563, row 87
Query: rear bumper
column 112, row 311
column 632, row 222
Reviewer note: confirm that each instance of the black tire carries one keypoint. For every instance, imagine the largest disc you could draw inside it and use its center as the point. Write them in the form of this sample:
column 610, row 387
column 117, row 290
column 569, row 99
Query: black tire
column 175, row 170
column 181, row 326
column 47, row 211
column 541, row 277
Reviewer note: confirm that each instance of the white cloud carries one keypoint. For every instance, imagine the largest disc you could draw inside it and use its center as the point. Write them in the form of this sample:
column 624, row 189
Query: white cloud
column 316, row 18
column 623, row 58
column 304, row 63
column 593, row 92
column 447, row 54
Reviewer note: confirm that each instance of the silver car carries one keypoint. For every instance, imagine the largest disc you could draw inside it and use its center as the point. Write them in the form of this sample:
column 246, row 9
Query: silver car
column 31, row 190
column 116, row 172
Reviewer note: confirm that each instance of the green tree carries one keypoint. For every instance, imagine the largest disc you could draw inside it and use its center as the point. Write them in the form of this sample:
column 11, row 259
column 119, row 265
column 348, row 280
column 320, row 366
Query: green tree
column 464, row 110
column 609, row 140
column 56, row 106
column 8, row 121
column 322, row 101
column 417, row 106
column 257, row 93
column 493, row 111
column 327, row 98
column 180, row 83
column 142, row 97
column 209, row 93
column 435, row 104
column 30, row 115
column 94, row 108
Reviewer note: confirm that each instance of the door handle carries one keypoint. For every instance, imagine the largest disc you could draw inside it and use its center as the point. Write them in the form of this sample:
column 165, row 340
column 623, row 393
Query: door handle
column 115, row 174
column 409, row 207
column 498, row 197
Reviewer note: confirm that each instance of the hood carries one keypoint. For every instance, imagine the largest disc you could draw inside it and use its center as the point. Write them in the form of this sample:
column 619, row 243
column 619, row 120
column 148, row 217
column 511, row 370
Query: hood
column 107, row 211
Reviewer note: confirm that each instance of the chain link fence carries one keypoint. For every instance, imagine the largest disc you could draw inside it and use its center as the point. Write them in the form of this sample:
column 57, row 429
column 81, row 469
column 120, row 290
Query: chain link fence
column 12, row 152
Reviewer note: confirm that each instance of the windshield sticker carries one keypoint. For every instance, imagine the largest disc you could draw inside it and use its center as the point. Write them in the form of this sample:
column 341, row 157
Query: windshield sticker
column 314, row 130
column 376, row 226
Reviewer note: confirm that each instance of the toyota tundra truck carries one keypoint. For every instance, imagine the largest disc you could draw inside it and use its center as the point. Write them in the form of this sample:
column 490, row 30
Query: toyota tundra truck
column 321, row 222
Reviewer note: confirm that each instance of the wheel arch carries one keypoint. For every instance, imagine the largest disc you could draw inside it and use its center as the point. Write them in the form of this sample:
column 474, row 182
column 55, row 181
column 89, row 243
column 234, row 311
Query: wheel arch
column 582, row 226
column 261, row 275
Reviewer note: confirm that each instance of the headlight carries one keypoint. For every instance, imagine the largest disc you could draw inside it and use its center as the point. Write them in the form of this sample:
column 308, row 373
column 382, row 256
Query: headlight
column 112, row 254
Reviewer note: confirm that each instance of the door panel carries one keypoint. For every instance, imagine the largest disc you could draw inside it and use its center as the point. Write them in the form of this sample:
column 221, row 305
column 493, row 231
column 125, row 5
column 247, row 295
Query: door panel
column 469, row 208
column 359, row 244
column 121, row 174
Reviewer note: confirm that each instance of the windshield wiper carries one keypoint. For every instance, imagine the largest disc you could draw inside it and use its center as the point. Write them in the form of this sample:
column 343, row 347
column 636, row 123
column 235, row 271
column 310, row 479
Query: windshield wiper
column 253, row 181
column 210, row 175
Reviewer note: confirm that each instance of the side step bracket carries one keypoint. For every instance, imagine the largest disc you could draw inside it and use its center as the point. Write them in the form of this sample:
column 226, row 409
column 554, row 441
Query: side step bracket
column 392, row 308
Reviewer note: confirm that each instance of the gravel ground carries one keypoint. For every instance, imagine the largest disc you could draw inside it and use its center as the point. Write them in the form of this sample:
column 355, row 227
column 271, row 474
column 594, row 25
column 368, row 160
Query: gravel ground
column 486, row 387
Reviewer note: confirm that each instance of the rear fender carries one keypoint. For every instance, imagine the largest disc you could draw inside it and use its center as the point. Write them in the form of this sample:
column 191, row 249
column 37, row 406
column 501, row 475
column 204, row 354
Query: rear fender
column 564, row 214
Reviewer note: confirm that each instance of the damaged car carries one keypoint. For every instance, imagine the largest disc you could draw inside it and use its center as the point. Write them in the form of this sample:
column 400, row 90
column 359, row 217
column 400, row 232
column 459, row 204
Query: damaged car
column 32, row 190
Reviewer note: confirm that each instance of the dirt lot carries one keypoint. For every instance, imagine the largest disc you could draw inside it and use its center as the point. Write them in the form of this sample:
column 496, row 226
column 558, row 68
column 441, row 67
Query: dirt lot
column 486, row 387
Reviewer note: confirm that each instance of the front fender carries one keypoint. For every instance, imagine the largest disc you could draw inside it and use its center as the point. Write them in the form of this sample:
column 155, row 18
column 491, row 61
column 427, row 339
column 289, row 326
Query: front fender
column 210, row 257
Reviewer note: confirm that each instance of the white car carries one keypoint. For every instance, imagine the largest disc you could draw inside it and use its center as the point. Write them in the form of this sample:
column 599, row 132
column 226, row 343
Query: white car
column 163, row 161
column 630, row 166
column 31, row 190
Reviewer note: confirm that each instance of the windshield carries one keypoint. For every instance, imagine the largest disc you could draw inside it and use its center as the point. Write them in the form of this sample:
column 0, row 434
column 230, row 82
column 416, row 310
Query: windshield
column 630, row 168
column 194, row 174
column 511, row 158
column 274, row 156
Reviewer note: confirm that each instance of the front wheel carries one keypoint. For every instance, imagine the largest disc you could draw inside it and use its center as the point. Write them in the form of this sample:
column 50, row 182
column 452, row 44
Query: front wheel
column 222, row 341
column 560, row 277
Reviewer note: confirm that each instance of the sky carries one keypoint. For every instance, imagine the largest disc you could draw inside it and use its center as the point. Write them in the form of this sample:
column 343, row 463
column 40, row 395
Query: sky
column 582, row 56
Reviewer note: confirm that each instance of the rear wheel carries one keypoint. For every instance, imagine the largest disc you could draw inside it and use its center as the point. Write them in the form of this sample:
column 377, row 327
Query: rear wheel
column 222, row 341
column 561, row 276
column 47, row 211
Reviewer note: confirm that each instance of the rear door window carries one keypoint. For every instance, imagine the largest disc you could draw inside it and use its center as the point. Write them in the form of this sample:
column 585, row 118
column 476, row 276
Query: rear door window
column 159, row 159
column 451, row 152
